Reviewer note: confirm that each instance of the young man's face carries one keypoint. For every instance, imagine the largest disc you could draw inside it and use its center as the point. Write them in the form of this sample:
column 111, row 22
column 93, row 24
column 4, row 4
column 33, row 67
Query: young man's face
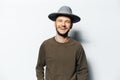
column 63, row 24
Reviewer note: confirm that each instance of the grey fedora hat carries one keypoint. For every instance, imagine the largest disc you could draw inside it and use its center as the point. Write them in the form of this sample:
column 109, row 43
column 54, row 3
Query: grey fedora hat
column 65, row 11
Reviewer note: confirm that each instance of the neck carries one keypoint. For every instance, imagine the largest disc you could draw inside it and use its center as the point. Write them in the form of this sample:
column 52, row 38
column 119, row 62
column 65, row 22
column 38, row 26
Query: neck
column 61, row 39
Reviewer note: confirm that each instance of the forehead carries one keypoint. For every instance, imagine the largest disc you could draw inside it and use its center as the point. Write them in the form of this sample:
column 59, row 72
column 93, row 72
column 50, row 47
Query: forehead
column 63, row 17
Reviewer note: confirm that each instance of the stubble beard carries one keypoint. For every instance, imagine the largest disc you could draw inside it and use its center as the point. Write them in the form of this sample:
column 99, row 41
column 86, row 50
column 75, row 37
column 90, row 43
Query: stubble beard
column 63, row 35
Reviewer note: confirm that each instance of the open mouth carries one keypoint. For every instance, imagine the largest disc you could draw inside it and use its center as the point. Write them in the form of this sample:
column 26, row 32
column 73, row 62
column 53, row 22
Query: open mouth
column 63, row 28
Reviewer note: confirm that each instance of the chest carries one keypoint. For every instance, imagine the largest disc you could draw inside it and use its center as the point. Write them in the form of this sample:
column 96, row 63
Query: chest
column 62, row 55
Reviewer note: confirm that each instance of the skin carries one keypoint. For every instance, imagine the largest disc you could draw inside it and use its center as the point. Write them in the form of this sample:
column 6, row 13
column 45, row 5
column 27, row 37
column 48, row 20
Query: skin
column 63, row 24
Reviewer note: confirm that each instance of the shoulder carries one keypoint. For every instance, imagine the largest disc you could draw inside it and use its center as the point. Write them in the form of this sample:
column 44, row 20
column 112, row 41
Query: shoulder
column 75, row 43
column 48, row 41
column 79, row 47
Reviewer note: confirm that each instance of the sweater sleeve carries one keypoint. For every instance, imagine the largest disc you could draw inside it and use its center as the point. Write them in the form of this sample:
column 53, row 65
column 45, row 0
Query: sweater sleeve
column 81, row 65
column 40, row 64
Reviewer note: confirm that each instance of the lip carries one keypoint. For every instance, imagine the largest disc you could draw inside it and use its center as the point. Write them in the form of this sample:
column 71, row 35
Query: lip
column 63, row 28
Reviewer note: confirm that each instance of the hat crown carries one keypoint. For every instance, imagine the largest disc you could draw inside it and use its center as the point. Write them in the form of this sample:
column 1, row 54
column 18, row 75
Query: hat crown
column 65, row 9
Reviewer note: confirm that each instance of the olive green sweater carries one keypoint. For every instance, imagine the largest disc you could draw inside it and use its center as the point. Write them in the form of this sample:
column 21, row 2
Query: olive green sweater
column 63, row 61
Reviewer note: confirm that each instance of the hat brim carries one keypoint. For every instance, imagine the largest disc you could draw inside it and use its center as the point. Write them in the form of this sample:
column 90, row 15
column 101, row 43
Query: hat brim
column 73, row 17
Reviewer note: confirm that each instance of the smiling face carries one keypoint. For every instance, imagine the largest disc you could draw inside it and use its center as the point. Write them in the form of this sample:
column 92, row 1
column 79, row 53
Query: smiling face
column 63, row 24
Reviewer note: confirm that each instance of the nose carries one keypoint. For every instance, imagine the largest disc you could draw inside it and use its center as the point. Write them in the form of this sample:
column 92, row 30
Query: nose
column 63, row 23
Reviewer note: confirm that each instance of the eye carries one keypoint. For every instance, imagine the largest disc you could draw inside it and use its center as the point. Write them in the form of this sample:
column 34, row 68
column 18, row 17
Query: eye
column 68, row 21
column 59, row 20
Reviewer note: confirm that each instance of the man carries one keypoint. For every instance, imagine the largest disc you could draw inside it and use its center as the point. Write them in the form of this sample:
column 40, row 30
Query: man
column 63, row 57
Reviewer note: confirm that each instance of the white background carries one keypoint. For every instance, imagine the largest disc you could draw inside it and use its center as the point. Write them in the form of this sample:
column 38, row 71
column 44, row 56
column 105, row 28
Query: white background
column 24, row 25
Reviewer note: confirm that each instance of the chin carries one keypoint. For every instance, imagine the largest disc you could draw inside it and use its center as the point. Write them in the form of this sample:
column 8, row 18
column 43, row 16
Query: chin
column 63, row 34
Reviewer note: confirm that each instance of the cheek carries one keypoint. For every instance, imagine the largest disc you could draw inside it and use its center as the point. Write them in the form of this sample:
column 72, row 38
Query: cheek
column 69, row 26
column 56, row 24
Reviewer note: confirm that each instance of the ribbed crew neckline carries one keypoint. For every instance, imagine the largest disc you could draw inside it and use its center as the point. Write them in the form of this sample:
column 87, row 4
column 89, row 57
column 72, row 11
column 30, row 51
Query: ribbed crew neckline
column 62, row 43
